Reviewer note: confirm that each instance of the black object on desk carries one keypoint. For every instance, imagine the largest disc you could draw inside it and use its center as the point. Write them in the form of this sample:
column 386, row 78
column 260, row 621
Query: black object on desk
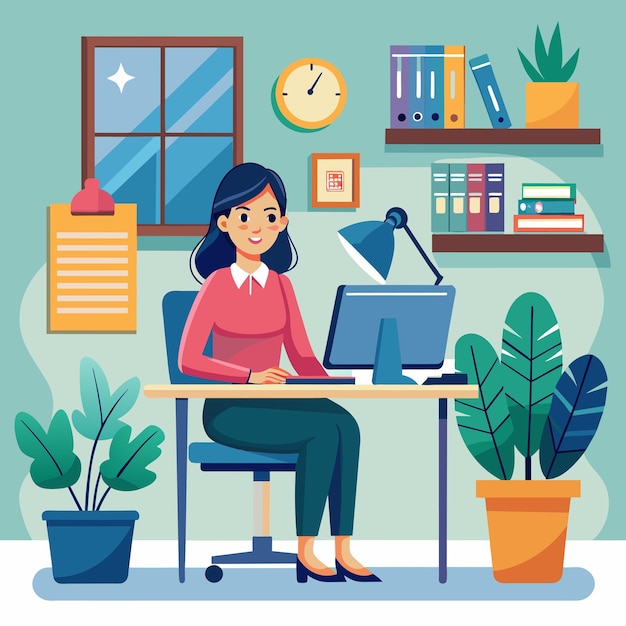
column 320, row 380
column 457, row 378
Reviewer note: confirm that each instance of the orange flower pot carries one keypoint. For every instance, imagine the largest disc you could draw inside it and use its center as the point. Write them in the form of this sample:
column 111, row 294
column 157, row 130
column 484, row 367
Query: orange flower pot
column 527, row 522
column 551, row 105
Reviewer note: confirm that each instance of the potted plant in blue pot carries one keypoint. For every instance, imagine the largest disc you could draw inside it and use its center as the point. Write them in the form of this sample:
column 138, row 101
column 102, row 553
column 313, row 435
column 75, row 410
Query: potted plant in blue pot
column 88, row 544
column 527, row 403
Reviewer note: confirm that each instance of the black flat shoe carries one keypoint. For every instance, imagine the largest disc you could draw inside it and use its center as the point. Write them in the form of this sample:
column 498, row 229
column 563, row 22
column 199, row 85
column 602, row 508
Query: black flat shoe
column 366, row 578
column 303, row 573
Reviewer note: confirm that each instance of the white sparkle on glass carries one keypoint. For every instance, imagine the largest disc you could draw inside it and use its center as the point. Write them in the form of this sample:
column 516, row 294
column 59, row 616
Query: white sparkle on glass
column 120, row 78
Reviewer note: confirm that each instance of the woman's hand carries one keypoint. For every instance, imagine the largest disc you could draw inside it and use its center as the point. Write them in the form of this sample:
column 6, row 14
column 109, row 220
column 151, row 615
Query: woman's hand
column 270, row 376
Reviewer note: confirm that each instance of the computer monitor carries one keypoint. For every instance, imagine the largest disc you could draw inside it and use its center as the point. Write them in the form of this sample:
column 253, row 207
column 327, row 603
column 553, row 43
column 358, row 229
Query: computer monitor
column 422, row 316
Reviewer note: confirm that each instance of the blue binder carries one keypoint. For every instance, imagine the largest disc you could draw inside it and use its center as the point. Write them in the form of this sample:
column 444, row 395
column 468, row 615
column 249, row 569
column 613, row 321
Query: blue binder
column 433, row 86
column 488, row 87
column 417, row 116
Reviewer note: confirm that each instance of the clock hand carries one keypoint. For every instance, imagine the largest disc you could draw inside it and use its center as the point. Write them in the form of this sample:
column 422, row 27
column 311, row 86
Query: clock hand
column 310, row 90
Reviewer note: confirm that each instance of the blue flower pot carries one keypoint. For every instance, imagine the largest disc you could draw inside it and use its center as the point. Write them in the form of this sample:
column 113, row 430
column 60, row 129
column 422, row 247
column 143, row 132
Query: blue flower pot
column 90, row 546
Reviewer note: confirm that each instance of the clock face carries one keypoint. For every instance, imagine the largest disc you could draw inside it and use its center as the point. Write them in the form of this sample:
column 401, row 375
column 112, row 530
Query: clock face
column 311, row 93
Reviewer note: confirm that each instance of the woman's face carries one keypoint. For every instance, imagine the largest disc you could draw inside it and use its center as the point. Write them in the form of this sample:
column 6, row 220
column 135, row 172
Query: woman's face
column 254, row 226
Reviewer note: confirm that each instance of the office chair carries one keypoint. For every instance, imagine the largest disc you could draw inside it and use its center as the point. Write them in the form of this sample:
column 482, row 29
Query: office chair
column 215, row 457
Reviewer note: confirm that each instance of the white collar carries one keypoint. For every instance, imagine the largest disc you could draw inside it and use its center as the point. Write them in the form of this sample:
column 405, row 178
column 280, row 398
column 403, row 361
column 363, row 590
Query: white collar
column 240, row 275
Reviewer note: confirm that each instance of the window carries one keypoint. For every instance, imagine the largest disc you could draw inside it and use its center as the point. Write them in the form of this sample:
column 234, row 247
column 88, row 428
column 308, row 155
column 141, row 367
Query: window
column 162, row 124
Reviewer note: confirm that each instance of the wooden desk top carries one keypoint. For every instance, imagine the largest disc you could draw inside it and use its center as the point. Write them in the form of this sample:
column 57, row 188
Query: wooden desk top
column 310, row 391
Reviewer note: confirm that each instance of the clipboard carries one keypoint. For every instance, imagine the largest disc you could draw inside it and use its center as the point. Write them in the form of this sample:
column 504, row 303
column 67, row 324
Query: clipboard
column 92, row 266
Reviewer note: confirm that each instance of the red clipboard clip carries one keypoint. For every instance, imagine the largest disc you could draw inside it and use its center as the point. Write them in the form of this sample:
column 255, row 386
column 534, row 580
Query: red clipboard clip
column 91, row 200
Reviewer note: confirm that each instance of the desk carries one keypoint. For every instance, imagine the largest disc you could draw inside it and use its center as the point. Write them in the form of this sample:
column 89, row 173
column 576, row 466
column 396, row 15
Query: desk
column 182, row 393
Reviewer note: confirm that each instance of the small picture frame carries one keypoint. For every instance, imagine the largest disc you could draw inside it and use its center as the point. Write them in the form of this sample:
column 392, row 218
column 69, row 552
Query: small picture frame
column 335, row 180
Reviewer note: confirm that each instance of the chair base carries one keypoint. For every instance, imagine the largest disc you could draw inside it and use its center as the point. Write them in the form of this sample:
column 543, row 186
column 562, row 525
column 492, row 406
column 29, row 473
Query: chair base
column 261, row 553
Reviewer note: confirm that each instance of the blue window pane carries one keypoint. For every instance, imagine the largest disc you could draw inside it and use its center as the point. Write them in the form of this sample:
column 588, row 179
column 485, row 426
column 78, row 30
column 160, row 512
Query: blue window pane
column 199, row 90
column 194, row 167
column 132, row 104
column 128, row 168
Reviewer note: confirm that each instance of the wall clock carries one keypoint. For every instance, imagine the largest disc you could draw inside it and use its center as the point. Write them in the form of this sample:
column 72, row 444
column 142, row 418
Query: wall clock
column 310, row 93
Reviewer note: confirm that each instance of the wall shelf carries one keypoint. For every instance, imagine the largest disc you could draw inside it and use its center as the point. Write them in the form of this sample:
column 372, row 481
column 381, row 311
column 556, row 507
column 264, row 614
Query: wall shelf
column 492, row 136
column 517, row 242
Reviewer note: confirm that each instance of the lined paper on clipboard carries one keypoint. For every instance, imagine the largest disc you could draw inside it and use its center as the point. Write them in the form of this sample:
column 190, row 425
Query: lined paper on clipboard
column 92, row 270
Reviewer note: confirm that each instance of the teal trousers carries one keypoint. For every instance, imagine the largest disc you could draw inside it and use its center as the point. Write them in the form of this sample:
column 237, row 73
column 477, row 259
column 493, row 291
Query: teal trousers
column 325, row 436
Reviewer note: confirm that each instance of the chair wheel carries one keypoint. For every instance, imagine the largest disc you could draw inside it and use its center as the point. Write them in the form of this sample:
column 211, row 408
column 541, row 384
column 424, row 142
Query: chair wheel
column 213, row 573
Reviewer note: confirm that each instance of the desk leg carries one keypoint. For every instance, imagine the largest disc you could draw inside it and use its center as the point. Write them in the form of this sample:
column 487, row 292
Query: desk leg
column 181, row 481
column 443, row 490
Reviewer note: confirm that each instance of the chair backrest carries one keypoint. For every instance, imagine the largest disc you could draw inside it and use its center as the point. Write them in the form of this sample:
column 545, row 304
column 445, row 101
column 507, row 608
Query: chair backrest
column 176, row 306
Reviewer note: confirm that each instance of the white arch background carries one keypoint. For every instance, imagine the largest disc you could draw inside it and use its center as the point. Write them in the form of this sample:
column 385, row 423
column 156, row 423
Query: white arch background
column 397, row 487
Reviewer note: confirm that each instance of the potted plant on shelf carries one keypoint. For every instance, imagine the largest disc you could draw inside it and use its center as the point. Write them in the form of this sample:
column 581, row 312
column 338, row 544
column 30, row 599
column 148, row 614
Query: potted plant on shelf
column 526, row 403
column 551, row 101
column 90, row 545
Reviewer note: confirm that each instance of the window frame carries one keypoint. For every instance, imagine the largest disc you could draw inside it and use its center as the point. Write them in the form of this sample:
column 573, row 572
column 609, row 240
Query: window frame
column 88, row 134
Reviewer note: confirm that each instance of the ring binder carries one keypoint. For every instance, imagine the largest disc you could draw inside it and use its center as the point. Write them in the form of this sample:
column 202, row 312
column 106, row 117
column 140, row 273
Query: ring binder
column 490, row 92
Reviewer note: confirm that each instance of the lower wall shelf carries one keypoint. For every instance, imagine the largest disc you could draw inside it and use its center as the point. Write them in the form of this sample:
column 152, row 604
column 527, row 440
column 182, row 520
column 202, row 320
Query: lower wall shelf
column 517, row 242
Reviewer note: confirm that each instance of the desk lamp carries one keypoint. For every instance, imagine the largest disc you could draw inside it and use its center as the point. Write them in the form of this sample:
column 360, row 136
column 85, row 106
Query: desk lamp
column 371, row 244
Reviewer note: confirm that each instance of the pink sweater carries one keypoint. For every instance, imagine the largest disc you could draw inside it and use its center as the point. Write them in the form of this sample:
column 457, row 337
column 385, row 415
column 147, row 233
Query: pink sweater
column 249, row 326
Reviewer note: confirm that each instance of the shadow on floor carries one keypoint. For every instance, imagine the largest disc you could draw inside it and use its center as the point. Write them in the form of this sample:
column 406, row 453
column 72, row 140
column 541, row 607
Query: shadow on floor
column 398, row 583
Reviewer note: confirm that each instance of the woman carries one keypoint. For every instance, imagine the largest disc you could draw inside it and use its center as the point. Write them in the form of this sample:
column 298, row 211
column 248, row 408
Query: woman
column 251, row 309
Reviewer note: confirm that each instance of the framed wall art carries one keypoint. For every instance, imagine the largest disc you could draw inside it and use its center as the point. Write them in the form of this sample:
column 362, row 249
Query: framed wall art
column 335, row 180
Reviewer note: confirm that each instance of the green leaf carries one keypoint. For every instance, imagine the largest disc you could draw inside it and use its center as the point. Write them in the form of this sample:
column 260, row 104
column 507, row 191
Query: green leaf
column 533, row 74
column 126, row 468
column 541, row 55
column 555, row 57
column 549, row 61
column 102, row 411
column 555, row 50
column 569, row 67
column 532, row 363
column 55, row 465
column 484, row 423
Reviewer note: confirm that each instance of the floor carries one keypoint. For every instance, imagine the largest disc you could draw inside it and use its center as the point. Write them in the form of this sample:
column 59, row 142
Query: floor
column 604, row 606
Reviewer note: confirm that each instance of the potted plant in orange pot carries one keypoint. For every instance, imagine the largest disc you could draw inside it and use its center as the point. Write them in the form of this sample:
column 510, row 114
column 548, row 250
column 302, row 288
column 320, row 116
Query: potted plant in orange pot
column 551, row 100
column 526, row 403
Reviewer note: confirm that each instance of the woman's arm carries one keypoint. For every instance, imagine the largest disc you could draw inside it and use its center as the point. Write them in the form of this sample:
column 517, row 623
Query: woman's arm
column 296, row 341
column 191, row 360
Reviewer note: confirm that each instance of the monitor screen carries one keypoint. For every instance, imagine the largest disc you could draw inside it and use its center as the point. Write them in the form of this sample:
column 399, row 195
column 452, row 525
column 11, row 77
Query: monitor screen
column 422, row 314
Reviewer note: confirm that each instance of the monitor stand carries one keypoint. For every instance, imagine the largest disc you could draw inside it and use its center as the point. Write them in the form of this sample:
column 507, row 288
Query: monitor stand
column 388, row 362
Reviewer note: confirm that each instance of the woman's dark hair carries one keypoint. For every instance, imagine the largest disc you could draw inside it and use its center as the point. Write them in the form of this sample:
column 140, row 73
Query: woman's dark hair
column 242, row 183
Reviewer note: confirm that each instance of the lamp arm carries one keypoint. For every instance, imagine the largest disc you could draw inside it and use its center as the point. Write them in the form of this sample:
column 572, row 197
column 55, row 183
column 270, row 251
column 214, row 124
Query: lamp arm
column 416, row 243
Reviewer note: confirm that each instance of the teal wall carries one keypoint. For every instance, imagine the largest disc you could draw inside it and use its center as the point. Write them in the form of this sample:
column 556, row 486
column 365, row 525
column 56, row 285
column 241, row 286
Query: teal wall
column 40, row 156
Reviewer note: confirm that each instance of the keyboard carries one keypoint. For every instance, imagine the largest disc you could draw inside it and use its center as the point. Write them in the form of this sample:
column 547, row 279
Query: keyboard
column 320, row 380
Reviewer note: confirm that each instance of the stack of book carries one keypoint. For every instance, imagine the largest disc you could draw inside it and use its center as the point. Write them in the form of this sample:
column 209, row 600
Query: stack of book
column 467, row 197
column 548, row 207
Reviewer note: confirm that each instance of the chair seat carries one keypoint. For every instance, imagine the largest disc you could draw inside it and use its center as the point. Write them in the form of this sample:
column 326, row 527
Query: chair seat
column 217, row 457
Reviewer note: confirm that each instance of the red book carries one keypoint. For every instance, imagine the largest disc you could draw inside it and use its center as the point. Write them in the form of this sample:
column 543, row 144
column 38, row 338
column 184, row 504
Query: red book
column 549, row 223
column 476, row 197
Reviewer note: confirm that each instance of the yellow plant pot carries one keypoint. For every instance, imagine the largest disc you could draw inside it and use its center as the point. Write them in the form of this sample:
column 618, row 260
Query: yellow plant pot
column 527, row 522
column 551, row 105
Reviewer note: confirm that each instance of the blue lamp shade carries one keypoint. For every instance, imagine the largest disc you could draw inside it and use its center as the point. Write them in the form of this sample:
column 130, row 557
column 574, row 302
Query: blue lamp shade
column 371, row 245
